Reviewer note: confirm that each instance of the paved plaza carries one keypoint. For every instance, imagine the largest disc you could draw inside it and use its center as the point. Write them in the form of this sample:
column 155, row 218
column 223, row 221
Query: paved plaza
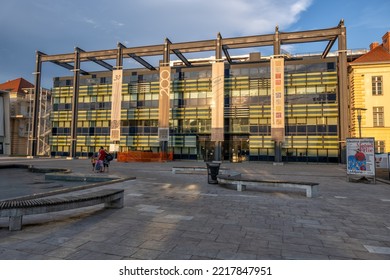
column 180, row 216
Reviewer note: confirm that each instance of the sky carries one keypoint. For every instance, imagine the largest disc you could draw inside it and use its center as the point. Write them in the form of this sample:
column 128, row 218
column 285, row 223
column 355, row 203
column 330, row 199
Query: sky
column 58, row 26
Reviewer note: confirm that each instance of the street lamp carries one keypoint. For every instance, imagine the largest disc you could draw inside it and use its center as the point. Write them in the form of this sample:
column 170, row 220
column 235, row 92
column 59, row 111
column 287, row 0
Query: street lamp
column 359, row 118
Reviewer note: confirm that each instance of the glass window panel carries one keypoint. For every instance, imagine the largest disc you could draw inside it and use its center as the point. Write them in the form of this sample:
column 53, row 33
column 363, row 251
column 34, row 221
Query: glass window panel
column 254, row 92
column 235, row 93
column 311, row 90
column 321, row 89
column 301, row 90
column 290, row 90
column 376, row 85
column 263, row 91
column 244, row 92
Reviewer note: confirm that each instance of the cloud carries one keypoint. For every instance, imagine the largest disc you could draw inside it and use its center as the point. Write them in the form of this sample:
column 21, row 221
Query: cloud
column 90, row 21
column 117, row 24
column 58, row 26
column 186, row 20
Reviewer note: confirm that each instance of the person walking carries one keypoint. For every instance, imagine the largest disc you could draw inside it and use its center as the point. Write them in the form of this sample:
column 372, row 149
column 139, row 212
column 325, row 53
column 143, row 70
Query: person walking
column 101, row 156
column 106, row 164
column 93, row 161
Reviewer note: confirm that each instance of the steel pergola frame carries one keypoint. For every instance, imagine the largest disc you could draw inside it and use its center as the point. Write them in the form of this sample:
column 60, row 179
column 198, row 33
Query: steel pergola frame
column 72, row 61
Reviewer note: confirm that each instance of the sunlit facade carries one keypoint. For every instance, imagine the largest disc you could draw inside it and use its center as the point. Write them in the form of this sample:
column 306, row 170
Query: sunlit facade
column 279, row 107
column 370, row 99
column 311, row 112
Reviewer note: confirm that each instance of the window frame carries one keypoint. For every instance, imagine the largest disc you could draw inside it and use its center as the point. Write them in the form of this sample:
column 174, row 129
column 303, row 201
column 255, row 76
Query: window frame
column 378, row 116
column 377, row 85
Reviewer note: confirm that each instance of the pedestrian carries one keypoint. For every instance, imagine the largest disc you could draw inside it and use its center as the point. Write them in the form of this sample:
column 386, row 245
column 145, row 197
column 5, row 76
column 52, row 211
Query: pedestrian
column 106, row 164
column 93, row 161
column 101, row 156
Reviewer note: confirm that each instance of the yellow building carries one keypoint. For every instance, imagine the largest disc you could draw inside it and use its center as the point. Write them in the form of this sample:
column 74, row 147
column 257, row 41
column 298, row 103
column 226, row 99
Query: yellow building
column 369, row 79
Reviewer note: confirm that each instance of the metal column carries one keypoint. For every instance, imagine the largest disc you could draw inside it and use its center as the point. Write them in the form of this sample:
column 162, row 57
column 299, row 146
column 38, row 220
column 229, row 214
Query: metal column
column 164, row 100
column 277, row 143
column 218, row 87
column 37, row 92
column 116, row 96
column 75, row 103
column 343, row 94
column 119, row 56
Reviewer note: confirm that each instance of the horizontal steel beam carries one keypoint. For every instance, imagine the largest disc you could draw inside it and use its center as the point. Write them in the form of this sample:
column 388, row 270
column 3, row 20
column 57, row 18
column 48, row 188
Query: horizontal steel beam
column 152, row 50
column 309, row 36
column 69, row 57
column 99, row 62
column 330, row 34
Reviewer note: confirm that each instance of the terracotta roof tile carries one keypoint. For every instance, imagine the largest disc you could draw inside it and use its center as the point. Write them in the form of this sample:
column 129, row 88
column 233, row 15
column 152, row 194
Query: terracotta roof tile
column 378, row 54
column 16, row 85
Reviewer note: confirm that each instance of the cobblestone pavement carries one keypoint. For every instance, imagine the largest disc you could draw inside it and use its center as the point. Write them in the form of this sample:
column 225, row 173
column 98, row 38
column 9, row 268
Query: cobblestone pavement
column 181, row 216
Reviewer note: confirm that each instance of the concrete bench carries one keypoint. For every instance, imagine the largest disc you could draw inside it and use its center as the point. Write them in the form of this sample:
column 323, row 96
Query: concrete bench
column 16, row 209
column 241, row 183
column 194, row 169
column 186, row 169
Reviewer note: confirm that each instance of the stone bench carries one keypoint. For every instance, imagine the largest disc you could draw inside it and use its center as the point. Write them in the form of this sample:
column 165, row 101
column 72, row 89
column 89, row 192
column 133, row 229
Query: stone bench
column 16, row 209
column 241, row 183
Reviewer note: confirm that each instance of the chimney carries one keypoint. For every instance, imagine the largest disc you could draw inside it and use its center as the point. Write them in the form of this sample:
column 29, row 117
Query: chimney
column 373, row 45
column 386, row 41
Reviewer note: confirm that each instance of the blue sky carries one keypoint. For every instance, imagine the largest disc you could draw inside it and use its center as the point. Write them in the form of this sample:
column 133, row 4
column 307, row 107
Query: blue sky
column 57, row 26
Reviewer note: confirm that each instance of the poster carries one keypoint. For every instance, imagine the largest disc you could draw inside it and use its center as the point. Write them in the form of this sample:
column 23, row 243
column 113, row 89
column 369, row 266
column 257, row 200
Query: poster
column 277, row 99
column 164, row 98
column 381, row 161
column 115, row 129
column 217, row 102
column 361, row 156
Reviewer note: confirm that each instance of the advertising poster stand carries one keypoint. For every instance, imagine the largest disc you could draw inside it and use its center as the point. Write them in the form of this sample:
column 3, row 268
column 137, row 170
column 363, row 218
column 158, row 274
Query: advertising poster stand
column 382, row 166
column 361, row 160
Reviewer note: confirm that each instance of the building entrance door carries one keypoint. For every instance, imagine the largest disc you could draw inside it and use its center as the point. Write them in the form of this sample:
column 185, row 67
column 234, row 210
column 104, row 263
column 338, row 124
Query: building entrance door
column 237, row 148
column 205, row 149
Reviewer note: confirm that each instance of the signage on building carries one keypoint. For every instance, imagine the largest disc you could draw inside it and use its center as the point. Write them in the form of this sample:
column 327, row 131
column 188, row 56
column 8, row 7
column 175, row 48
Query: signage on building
column 114, row 148
column 361, row 156
column 217, row 102
column 163, row 134
column 164, row 101
column 277, row 99
column 115, row 129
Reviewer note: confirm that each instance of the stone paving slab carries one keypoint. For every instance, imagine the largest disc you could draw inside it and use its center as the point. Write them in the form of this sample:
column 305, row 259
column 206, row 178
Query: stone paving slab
column 180, row 216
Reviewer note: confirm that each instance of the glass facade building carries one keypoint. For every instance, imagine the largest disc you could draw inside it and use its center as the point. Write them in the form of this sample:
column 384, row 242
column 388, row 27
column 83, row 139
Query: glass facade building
column 311, row 111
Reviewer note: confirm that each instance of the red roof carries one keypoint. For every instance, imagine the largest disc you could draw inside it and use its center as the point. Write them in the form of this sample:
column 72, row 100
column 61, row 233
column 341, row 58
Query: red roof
column 16, row 85
column 378, row 54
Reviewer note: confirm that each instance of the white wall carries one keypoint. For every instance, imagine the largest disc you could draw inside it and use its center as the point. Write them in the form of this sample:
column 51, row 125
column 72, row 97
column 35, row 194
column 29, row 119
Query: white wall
column 5, row 129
